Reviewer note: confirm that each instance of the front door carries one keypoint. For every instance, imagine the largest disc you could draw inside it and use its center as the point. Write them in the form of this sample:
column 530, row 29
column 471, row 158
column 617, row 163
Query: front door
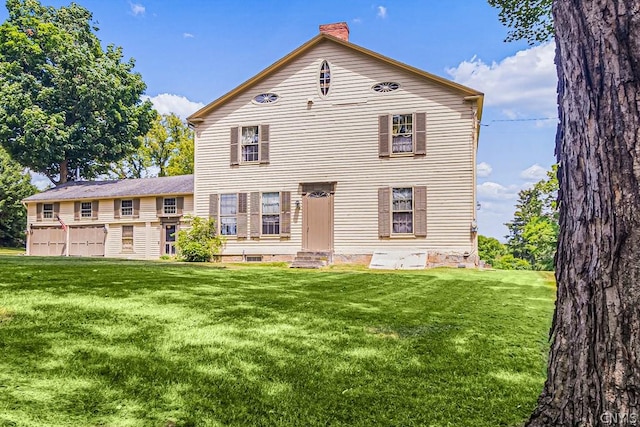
column 317, row 221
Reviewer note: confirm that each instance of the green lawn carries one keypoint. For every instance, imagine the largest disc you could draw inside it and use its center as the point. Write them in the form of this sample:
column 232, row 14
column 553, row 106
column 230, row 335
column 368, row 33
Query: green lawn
column 123, row 343
column 11, row 251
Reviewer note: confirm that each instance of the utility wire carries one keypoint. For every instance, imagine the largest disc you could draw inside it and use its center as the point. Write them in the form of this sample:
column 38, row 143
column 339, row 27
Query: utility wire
column 520, row 120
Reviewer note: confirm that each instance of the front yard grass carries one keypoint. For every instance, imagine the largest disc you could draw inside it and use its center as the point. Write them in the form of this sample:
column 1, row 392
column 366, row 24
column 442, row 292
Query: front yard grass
column 124, row 343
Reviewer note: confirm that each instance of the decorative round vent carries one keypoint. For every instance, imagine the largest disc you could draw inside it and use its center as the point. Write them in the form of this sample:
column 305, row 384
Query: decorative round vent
column 385, row 87
column 266, row 98
column 318, row 194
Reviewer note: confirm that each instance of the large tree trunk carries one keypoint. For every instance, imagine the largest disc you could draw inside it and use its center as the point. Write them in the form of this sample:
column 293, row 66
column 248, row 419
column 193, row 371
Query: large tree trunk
column 593, row 374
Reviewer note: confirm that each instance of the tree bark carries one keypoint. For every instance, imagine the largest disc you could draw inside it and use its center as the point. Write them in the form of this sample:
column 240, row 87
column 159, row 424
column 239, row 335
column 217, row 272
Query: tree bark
column 593, row 376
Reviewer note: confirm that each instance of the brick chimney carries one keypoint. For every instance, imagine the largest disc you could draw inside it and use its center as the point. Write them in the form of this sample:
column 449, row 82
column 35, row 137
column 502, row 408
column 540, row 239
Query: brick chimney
column 339, row 30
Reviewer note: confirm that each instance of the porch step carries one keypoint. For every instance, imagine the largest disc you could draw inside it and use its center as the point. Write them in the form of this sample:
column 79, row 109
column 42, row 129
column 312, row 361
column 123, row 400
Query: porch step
column 311, row 259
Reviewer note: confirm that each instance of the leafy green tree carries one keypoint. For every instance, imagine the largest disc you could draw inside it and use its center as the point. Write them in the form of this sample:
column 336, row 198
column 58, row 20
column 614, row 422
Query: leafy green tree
column 533, row 232
column 509, row 262
column 68, row 106
column 15, row 185
column 170, row 145
column 593, row 374
column 490, row 248
column 528, row 19
column 199, row 243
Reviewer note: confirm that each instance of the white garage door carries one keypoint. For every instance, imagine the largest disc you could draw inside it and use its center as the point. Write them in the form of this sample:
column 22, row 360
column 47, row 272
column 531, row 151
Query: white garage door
column 46, row 241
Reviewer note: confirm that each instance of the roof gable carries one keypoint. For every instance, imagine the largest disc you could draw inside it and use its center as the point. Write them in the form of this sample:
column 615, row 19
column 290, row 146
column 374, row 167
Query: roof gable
column 465, row 91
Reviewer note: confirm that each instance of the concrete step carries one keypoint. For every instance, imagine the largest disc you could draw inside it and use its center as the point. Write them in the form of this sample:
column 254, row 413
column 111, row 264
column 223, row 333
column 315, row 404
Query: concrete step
column 311, row 259
column 307, row 264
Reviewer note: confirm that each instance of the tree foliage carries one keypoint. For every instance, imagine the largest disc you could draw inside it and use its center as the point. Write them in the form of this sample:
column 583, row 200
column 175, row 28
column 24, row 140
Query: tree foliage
column 68, row 106
column 529, row 20
column 199, row 243
column 167, row 148
column 533, row 232
column 15, row 185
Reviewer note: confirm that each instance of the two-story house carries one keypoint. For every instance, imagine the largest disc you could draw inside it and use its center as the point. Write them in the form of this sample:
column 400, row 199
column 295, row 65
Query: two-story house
column 333, row 150
column 131, row 218
column 339, row 150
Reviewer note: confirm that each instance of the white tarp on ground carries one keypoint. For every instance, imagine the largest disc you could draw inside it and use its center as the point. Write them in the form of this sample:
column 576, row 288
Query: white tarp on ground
column 399, row 260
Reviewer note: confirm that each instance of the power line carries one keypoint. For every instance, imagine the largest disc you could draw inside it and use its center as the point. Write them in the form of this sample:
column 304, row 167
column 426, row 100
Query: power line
column 520, row 120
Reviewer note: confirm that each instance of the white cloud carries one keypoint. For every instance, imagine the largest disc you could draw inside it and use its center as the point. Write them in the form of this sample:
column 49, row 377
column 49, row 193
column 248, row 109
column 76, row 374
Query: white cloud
column 188, row 35
column 382, row 12
column 534, row 173
column 522, row 85
column 137, row 9
column 356, row 21
column 166, row 103
column 494, row 191
column 483, row 169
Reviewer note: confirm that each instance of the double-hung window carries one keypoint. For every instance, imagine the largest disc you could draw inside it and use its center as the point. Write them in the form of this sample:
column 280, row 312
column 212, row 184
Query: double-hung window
column 47, row 210
column 229, row 214
column 169, row 206
column 85, row 210
column 126, row 208
column 402, row 210
column 250, row 143
column 270, row 213
column 402, row 134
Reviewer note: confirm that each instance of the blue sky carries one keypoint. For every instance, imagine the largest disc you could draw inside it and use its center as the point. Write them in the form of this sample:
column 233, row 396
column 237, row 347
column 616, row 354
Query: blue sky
column 190, row 52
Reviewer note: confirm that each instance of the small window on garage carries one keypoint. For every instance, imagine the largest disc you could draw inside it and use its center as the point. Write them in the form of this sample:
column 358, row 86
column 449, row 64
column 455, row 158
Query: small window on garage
column 47, row 210
column 85, row 210
column 127, row 238
column 126, row 208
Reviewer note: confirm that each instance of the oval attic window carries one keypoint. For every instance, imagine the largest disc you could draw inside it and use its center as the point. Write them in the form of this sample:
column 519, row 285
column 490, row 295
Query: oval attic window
column 325, row 78
column 385, row 87
column 266, row 98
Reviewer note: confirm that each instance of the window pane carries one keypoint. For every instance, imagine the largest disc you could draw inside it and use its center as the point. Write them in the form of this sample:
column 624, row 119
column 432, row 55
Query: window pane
column 228, row 226
column 249, row 153
column 249, row 135
column 403, row 222
column 85, row 209
column 126, row 208
column 402, row 199
column 270, row 203
column 228, row 204
column 402, row 133
column 170, row 205
column 47, row 210
column 270, row 224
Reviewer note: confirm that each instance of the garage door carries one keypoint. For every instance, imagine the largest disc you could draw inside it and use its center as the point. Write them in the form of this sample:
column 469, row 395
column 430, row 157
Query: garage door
column 86, row 241
column 45, row 241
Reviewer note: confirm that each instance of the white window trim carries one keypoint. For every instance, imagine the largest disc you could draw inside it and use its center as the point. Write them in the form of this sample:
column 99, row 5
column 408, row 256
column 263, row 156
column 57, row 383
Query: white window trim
column 221, row 215
column 122, row 208
column 278, row 214
column 83, row 210
column 165, row 206
column 46, row 211
column 413, row 133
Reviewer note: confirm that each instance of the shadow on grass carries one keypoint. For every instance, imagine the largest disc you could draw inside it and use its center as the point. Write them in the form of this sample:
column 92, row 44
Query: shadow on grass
column 92, row 342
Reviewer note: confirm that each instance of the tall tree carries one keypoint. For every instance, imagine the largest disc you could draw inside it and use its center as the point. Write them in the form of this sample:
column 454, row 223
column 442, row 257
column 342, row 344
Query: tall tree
column 533, row 232
column 593, row 375
column 169, row 144
column 15, row 185
column 68, row 107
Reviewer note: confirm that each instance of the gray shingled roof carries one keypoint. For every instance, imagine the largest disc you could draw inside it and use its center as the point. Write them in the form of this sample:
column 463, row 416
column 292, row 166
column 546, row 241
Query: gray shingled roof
column 167, row 185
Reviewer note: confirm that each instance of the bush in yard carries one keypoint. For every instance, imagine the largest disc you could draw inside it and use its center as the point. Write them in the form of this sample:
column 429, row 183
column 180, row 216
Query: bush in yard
column 200, row 242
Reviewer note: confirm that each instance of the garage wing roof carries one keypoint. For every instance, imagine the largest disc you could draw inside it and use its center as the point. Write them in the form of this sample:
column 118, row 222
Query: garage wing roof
column 76, row 190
